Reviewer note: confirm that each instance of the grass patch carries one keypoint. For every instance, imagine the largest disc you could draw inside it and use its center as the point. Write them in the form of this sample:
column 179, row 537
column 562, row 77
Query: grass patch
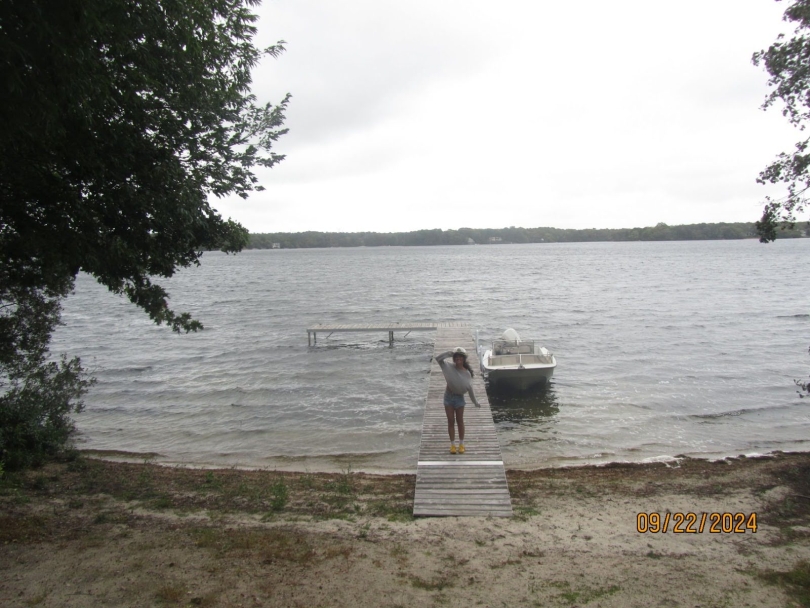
column 403, row 517
column 207, row 538
column 524, row 513
column 335, row 515
column 273, row 545
column 110, row 517
column 279, row 495
column 344, row 483
column 36, row 599
column 392, row 510
column 171, row 594
column 338, row 501
column 22, row 528
column 306, row 481
column 437, row 583
column 583, row 595
column 399, row 552
column 162, row 502
column 210, row 481
column 337, row 551
column 275, row 495
column 795, row 582
column 209, row 599
column 793, row 509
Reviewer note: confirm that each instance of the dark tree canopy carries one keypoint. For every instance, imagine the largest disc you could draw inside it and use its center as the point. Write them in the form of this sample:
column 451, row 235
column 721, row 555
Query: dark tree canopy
column 787, row 61
column 463, row 236
column 120, row 118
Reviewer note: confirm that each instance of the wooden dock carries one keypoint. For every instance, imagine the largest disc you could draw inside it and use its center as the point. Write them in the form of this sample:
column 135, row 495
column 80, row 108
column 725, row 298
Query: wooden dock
column 469, row 484
column 408, row 327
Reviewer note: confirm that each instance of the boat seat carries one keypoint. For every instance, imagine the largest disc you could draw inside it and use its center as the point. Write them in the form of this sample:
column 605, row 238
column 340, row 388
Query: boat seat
column 534, row 359
column 504, row 360
column 521, row 349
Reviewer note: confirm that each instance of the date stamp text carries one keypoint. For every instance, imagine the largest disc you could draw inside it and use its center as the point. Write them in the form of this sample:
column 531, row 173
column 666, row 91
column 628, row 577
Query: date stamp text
column 696, row 523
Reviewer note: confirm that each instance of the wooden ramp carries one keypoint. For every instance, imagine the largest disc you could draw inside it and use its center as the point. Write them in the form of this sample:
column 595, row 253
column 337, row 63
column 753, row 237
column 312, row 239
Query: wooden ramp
column 470, row 484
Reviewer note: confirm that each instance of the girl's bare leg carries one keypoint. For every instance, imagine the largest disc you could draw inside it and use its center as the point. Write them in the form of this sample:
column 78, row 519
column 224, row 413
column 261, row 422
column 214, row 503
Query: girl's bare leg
column 460, row 422
column 451, row 428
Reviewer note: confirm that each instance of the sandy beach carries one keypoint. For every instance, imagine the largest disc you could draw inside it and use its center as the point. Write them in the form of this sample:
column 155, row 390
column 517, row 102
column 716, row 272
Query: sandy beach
column 96, row 533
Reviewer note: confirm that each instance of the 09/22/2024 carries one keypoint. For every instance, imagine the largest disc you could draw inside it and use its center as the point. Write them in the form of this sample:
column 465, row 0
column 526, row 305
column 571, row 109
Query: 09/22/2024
column 694, row 523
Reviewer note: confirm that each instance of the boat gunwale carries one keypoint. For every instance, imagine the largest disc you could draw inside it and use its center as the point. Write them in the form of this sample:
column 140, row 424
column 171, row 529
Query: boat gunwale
column 486, row 357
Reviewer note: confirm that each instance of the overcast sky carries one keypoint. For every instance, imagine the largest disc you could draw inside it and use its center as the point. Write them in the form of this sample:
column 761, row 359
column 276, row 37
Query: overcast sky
column 449, row 113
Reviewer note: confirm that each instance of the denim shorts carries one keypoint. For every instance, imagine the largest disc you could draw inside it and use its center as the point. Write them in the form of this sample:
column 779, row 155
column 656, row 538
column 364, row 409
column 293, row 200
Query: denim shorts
column 453, row 400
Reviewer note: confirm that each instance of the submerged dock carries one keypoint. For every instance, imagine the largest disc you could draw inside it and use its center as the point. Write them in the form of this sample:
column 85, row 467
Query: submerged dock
column 312, row 332
column 469, row 484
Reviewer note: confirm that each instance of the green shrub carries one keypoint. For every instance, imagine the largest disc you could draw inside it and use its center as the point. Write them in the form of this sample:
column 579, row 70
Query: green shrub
column 37, row 396
column 279, row 495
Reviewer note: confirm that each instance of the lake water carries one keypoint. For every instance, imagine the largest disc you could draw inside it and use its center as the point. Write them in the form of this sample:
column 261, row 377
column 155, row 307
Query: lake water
column 662, row 349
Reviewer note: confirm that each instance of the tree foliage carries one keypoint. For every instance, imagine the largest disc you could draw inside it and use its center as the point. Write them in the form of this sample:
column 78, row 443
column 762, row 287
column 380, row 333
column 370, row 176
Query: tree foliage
column 37, row 396
column 121, row 118
column 787, row 62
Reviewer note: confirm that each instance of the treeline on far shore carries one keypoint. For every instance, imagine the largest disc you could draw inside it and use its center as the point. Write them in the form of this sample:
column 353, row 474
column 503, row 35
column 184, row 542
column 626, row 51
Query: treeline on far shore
column 483, row 236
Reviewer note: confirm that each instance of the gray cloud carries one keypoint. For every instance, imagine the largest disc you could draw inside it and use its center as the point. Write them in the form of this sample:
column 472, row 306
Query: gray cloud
column 441, row 114
column 351, row 64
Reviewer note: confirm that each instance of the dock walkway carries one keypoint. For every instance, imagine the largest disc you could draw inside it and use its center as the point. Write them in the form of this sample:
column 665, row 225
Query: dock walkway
column 470, row 484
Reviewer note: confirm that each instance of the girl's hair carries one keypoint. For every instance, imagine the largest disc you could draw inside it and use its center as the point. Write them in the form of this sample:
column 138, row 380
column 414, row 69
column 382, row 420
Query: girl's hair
column 468, row 368
column 466, row 365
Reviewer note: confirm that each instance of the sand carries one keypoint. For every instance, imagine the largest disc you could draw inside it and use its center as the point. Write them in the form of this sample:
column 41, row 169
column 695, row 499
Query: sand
column 94, row 533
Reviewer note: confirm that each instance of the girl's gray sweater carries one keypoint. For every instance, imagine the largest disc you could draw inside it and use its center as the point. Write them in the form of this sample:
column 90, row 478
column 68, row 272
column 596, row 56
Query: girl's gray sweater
column 458, row 381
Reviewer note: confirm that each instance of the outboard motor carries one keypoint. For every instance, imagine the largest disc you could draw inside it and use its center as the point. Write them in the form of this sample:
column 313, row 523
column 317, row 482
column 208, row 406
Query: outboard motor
column 511, row 335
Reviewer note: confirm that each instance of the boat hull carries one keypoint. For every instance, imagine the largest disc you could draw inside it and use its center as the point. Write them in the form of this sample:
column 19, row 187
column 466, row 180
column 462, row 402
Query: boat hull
column 519, row 379
column 519, row 376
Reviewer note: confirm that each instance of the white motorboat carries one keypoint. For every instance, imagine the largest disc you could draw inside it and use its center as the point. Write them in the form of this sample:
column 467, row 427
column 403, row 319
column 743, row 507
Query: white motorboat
column 517, row 364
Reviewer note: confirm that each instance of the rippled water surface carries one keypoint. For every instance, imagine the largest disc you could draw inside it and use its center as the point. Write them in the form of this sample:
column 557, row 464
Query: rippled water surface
column 662, row 349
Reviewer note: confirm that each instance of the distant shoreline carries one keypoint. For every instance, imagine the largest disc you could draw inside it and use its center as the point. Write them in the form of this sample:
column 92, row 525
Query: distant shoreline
column 513, row 235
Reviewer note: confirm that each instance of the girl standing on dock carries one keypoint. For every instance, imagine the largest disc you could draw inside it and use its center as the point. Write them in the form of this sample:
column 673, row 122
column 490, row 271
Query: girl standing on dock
column 459, row 381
